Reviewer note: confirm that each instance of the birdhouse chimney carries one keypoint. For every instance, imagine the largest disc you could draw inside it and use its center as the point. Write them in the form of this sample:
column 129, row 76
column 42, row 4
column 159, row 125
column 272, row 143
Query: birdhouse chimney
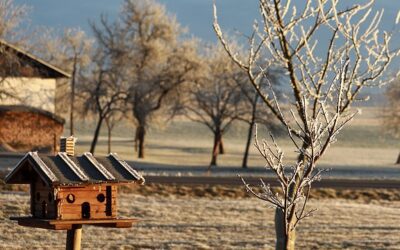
column 67, row 145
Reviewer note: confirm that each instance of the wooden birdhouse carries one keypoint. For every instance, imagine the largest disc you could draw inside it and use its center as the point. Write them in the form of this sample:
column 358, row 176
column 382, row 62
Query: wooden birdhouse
column 68, row 190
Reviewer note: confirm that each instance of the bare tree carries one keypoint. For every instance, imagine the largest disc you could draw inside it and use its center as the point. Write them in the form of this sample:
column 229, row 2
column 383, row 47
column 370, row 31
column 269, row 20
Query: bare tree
column 103, row 93
column 323, row 89
column 111, row 121
column 391, row 115
column 157, row 63
column 256, row 111
column 77, row 56
column 71, row 52
column 216, row 100
column 12, row 18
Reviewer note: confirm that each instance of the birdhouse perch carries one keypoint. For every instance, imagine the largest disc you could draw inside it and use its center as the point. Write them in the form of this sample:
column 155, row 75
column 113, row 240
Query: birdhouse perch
column 69, row 191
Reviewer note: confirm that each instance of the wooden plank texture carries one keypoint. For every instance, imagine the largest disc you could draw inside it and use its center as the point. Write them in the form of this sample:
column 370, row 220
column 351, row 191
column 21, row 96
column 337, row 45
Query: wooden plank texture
column 87, row 194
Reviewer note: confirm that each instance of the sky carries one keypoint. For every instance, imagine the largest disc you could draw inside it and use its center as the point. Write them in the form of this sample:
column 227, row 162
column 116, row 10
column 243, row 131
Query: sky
column 196, row 15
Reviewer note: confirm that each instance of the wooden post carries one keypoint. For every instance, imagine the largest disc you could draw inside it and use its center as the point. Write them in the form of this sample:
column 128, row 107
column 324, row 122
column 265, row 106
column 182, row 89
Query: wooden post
column 74, row 237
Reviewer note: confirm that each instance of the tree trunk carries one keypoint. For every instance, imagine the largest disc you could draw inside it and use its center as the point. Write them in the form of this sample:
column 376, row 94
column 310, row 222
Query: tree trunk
column 136, row 140
column 71, row 117
column 216, row 147
column 221, row 148
column 109, row 130
column 109, row 141
column 96, row 134
column 247, row 149
column 284, row 241
column 141, row 133
column 398, row 159
column 250, row 132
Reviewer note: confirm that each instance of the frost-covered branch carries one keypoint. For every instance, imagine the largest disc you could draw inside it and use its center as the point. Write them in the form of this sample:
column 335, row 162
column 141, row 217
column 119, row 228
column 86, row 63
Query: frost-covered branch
column 322, row 85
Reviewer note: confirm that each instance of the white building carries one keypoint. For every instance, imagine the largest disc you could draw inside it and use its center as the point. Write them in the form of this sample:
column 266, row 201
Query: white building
column 32, row 81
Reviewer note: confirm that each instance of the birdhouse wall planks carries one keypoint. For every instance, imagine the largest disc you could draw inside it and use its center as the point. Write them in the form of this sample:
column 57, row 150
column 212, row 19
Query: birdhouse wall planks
column 74, row 189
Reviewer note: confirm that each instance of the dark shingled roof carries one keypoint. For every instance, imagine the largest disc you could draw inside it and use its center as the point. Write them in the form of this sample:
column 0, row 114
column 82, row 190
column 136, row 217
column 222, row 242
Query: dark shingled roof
column 62, row 169
column 46, row 70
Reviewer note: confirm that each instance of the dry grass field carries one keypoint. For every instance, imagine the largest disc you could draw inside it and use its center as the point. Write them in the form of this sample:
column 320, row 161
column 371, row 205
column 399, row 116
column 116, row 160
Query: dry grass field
column 178, row 221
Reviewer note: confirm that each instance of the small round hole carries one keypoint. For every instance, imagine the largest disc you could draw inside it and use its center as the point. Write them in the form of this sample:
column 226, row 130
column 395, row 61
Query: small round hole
column 101, row 198
column 70, row 198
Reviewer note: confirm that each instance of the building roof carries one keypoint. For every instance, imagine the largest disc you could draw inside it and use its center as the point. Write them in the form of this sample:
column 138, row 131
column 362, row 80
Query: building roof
column 30, row 109
column 62, row 170
column 46, row 70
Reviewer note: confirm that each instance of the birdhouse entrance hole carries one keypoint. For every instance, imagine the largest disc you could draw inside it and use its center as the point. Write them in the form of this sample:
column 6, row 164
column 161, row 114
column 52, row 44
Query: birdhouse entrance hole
column 85, row 210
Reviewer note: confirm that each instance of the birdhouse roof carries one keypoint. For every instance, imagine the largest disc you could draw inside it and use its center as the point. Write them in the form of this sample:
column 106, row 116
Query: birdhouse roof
column 63, row 169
